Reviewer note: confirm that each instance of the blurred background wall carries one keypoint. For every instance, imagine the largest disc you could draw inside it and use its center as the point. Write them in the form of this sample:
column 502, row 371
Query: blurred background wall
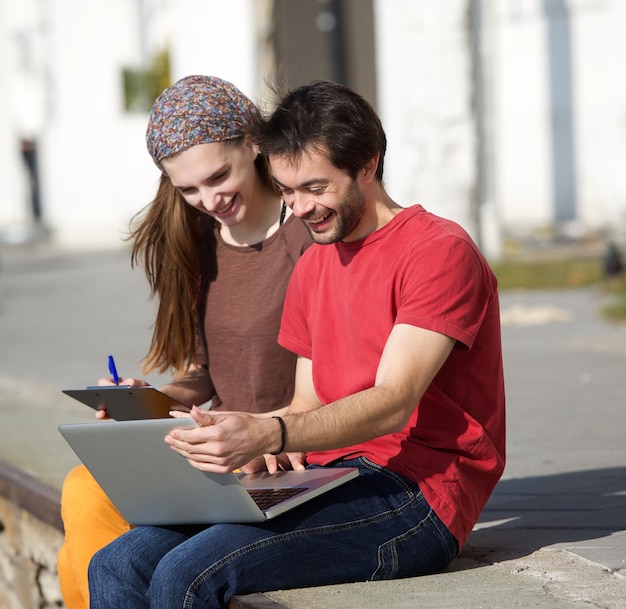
column 508, row 116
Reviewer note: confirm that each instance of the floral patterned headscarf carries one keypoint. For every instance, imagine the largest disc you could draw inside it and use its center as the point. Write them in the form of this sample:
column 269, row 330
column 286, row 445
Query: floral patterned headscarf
column 196, row 110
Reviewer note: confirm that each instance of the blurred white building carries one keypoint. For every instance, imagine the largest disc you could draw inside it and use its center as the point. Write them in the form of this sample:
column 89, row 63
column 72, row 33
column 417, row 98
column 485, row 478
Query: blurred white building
column 508, row 116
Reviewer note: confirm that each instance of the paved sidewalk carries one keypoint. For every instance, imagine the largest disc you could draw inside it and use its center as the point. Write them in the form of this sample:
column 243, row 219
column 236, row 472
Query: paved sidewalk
column 553, row 534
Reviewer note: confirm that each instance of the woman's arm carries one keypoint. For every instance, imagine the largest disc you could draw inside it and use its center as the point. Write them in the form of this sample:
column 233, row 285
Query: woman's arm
column 194, row 388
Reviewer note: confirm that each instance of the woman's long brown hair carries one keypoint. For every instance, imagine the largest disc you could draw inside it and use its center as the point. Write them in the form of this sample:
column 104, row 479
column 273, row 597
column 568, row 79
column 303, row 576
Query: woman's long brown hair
column 175, row 244
column 166, row 238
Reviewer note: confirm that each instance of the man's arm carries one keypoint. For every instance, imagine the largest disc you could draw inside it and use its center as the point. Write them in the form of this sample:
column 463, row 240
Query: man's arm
column 304, row 396
column 411, row 359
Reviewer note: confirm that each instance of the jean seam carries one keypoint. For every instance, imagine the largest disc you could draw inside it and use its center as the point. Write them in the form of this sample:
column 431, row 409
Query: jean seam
column 366, row 463
column 446, row 536
column 390, row 546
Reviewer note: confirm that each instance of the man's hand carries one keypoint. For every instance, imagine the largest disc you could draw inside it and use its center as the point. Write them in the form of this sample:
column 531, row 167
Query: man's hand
column 284, row 461
column 225, row 441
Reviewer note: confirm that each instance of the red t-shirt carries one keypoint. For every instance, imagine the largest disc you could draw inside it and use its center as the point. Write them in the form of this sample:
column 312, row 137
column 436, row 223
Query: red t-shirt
column 419, row 269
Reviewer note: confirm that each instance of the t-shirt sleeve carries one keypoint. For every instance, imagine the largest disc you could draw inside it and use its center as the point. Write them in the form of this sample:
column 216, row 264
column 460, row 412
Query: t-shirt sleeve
column 294, row 332
column 446, row 288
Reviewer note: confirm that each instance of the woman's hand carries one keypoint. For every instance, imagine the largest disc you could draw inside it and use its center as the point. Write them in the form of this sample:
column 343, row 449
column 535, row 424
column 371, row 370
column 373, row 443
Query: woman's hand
column 101, row 413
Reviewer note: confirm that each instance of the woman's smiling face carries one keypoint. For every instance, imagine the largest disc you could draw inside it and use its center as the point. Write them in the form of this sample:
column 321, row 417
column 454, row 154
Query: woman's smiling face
column 217, row 178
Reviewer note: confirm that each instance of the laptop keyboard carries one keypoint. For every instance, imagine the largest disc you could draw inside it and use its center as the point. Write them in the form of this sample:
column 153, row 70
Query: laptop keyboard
column 266, row 498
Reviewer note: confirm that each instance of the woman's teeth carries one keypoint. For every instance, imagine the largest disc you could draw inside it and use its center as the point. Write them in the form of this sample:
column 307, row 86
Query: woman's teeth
column 225, row 209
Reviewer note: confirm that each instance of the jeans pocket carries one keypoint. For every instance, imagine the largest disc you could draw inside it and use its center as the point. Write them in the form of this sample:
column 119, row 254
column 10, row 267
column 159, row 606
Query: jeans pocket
column 426, row 548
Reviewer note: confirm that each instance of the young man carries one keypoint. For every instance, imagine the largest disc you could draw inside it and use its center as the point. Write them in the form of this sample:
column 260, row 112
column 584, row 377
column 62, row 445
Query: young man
column 394, row 317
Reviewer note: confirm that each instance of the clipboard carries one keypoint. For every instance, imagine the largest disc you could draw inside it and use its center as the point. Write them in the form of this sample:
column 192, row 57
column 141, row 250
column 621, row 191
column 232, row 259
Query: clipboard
column 126, row 403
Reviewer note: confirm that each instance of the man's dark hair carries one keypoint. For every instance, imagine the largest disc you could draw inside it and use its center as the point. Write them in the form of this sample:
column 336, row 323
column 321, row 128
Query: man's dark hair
column 322, row 115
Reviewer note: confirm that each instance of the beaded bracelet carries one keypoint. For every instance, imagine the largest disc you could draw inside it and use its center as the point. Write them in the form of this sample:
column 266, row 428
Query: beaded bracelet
column 283, row 435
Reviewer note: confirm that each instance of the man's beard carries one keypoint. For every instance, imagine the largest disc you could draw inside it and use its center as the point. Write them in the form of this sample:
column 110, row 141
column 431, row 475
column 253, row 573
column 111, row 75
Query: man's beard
column 347, row 217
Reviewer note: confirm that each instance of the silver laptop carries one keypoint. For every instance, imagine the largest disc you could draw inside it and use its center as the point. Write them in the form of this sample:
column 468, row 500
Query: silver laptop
column 150, row 483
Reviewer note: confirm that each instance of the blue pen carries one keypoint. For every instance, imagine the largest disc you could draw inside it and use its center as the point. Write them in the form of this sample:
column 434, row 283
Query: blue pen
column 113, row 370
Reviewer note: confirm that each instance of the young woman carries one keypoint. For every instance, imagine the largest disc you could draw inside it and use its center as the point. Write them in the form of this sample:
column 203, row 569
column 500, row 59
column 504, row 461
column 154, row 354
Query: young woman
column 218, row 247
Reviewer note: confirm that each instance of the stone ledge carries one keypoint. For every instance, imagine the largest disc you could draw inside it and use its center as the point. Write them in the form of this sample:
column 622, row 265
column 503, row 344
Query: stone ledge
column 31, row 495
column 31, row 536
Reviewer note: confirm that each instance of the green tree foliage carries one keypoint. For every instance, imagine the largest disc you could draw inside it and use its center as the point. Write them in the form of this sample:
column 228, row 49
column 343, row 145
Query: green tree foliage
column 143, row 86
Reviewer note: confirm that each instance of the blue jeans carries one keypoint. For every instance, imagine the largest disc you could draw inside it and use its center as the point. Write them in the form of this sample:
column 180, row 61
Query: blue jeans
column 376, row 526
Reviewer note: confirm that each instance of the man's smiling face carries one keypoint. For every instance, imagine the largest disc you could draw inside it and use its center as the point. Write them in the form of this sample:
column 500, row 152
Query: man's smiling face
column 326, row 198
